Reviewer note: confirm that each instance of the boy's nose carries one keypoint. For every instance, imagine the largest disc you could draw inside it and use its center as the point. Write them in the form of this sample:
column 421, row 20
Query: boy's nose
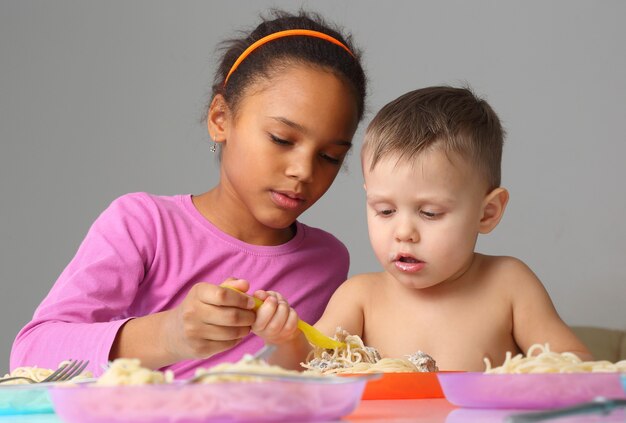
column 406, row 231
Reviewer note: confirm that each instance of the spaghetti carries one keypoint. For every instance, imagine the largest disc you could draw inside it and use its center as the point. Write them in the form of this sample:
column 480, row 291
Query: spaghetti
column 252, row 369
column 355, row 357
column 38, row 374
column 539, row 359
column 128, row 371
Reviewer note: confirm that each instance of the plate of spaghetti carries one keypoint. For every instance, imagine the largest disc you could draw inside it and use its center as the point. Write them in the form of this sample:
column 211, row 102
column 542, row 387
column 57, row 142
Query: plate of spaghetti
column 541, row 379
column 246, row 391
column 409, row 377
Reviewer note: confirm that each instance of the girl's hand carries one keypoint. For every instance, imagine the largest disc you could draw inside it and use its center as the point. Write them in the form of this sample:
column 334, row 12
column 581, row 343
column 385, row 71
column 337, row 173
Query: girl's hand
column 209, row 320
column 276, row 322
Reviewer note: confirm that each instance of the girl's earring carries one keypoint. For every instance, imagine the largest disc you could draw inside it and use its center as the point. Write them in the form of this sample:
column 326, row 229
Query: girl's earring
column 213, row 148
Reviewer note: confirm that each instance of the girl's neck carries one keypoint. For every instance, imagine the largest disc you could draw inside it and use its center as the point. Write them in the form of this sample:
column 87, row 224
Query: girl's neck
column 233, row 219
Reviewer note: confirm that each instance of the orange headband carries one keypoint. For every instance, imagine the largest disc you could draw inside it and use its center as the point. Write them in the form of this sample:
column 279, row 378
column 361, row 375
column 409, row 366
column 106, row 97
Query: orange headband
column 281, row 34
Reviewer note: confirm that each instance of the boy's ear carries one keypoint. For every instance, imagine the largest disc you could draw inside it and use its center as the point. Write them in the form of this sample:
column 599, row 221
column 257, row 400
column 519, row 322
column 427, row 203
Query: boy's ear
column 493, row 209
column 217, row 119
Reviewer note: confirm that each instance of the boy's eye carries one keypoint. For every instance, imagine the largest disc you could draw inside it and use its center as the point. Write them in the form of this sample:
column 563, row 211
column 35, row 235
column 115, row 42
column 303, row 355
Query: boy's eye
column 386, row 212
column 429, row 215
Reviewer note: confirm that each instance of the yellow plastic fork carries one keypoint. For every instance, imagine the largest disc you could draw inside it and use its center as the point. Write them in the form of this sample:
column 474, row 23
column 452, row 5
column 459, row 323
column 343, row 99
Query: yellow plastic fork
column 312, row 335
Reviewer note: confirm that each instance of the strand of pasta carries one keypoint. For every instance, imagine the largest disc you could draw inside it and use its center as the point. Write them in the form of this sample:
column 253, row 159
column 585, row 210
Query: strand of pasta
column 128, row 371
column 37, row 374
column 356, row 357
column 539, row 359
column 354, row 352
column 248, row 364
column 384, row 365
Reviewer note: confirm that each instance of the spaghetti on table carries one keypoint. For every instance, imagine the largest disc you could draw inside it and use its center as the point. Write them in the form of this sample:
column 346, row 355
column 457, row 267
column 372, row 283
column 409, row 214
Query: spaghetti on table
column 539, row 359
column 38, row 374
column 128, row 371
column 250, row 365
column 356, row 357
column 125, row 371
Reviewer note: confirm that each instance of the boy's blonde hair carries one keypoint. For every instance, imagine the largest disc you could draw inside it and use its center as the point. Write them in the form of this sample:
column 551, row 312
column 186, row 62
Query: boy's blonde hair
column 448, row 118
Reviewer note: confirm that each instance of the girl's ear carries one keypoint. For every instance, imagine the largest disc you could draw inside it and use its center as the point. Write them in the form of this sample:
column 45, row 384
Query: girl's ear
column 493, row 209
column 217, row 119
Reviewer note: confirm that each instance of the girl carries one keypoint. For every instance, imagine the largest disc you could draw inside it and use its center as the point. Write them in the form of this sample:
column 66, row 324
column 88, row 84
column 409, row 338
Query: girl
column 145, row 282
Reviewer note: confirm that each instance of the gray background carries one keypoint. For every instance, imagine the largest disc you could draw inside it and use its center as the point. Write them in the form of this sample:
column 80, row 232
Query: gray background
column 98, row 99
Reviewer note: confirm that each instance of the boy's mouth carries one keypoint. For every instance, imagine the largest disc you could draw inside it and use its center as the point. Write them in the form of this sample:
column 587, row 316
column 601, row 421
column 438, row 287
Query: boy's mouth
column 404, row 258
column 407, row 260
column 406, row 263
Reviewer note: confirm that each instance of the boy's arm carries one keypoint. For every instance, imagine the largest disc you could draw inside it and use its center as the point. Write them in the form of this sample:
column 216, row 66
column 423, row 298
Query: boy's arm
column 290, row 354
column 276, row 324
column 344, row 309
column 535, row 319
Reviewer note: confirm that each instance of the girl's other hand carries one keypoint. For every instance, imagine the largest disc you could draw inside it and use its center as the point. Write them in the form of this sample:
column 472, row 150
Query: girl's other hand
column 209, row 320
column 276, row 322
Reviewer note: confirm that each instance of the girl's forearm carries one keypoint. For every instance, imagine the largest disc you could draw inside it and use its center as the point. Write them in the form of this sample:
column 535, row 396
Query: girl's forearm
column 142, row 338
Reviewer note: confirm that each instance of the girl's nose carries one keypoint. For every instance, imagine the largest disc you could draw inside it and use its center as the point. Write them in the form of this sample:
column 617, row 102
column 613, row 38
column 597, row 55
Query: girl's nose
column 301, row 168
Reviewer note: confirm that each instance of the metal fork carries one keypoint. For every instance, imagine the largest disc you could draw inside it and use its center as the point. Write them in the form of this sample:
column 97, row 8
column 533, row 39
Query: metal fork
column 66, row 372
column 599, row 405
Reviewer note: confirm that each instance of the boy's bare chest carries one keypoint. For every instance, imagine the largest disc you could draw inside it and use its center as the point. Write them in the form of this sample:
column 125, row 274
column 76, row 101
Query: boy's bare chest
column 457, row 333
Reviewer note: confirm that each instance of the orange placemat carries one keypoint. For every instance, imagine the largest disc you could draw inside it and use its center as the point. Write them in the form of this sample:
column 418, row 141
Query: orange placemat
column 408, row 385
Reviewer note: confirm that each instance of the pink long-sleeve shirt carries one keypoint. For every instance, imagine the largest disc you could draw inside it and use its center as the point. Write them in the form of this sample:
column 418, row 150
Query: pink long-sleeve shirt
column 143, row 254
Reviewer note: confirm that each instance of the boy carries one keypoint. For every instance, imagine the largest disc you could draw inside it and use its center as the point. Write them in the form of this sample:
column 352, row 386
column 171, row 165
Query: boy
column 431, row 164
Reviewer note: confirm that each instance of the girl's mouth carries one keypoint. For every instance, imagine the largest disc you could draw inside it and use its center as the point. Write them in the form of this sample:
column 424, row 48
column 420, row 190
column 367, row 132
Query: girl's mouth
column 286, row 201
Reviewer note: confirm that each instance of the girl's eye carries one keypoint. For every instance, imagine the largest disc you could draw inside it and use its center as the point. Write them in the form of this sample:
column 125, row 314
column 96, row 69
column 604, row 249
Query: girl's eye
column 324, row 156
column 332, row 160
column 279, row 141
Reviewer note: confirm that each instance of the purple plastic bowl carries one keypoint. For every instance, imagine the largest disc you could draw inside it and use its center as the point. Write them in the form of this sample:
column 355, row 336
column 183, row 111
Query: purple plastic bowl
column 270, row 400
column 529, row 391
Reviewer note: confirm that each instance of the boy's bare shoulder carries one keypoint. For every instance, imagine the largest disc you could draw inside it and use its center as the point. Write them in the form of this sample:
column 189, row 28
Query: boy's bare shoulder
column 346, row 308
column 368, row 277
column 362, row 284
column 373, row 278
column 509, row 273
column 507, row 265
